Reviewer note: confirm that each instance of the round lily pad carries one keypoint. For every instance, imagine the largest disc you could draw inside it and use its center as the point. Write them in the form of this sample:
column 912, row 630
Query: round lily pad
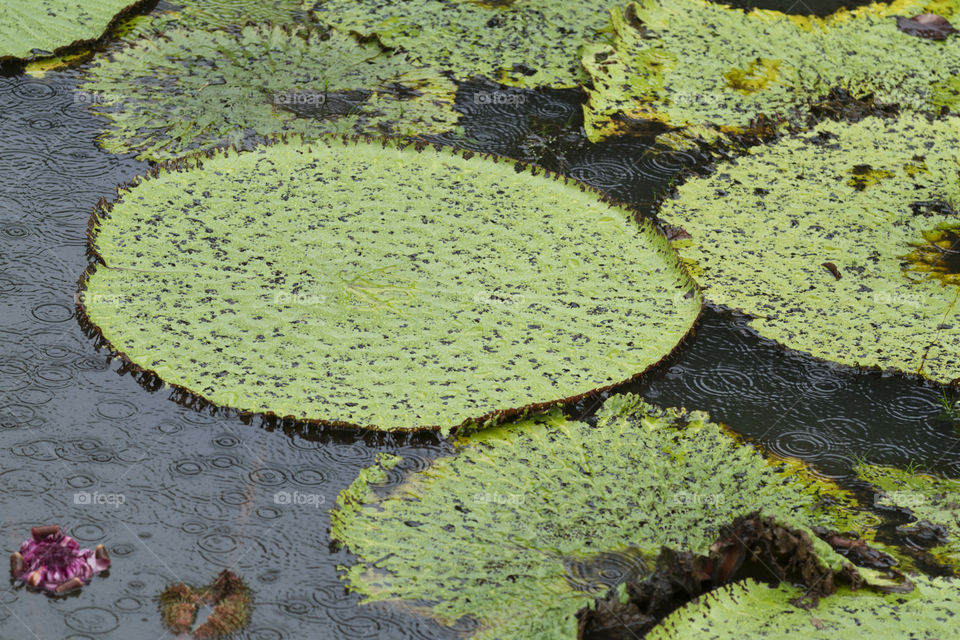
column 665, row 65
column 500, row 532
column 368, row 284
column 839, row 242
column 751, row 610
column 37, row 28
column 523, row 43
column 166, row 97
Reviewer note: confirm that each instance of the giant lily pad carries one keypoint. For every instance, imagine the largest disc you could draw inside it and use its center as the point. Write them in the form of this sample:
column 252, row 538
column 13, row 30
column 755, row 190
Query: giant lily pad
column 865, row 202
column 166, row 97
column 751, row 610
column 665, row 65
column 934, row 502
column 362, row 283
column 524, row 43
column 492, row 533
column 32, row 28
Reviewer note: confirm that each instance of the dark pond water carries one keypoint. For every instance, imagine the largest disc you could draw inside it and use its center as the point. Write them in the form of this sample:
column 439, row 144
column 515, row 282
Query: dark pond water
column 202, row 493
column 799, row 7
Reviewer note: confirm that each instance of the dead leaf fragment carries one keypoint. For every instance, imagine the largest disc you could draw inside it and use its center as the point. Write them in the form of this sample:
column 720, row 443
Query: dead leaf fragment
column 926, row 25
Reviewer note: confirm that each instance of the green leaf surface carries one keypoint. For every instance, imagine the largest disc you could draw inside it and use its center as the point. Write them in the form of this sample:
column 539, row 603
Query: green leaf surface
column 490, row 533
column 872, row 199
column 696, row 62
column 935, row 500
column 357, row 282
column 756, row 611
column 213, row 14
column 31, row 28
column 523, row 43
column 193, row 89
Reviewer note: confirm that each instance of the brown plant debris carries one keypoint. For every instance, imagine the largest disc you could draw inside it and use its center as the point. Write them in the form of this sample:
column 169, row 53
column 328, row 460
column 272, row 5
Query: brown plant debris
column 751, row 547
column 926, row 25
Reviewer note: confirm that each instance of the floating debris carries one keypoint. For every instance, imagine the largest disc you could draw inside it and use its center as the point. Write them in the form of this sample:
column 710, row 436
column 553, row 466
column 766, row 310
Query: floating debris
column 54, row 562
column 926, row 25
column 229, row 596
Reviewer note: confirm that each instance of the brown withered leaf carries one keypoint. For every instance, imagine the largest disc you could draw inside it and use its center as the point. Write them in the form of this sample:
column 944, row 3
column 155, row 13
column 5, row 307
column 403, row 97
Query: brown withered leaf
column 752, row 546
column 926, row 25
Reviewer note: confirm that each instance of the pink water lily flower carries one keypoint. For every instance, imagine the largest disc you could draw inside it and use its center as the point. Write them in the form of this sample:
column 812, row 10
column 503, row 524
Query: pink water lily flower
column 54, row 562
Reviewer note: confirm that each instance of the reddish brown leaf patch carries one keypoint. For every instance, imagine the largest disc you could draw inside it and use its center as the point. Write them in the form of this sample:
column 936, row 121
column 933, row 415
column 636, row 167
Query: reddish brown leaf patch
column 926, row 25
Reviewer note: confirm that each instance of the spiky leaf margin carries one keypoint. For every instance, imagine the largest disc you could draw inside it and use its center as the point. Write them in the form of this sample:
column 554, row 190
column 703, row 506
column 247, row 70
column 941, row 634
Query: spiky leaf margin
column 366, row 284
column 664, row 65
column 763, row 227
column 32, row 28
column 189, row 90
column 486, row 534
column 522, row 43
column 756, row 611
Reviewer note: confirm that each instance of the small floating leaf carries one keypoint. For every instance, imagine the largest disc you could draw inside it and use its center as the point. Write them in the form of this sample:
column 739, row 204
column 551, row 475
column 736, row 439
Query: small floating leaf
column 502, row 522
column 362, row 283
column 214, row 14
column 766, row 228
column 165, row 98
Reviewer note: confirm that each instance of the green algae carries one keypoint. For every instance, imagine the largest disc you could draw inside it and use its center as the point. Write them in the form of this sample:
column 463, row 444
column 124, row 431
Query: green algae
column 664, row 65
column 861, row 197
column 165, row 99
column 640, row 479
column 380, row 285
column 528, row 43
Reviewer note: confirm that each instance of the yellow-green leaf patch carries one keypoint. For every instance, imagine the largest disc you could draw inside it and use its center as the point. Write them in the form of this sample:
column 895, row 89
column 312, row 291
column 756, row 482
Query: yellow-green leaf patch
column 696, row 63
column 523, row 43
